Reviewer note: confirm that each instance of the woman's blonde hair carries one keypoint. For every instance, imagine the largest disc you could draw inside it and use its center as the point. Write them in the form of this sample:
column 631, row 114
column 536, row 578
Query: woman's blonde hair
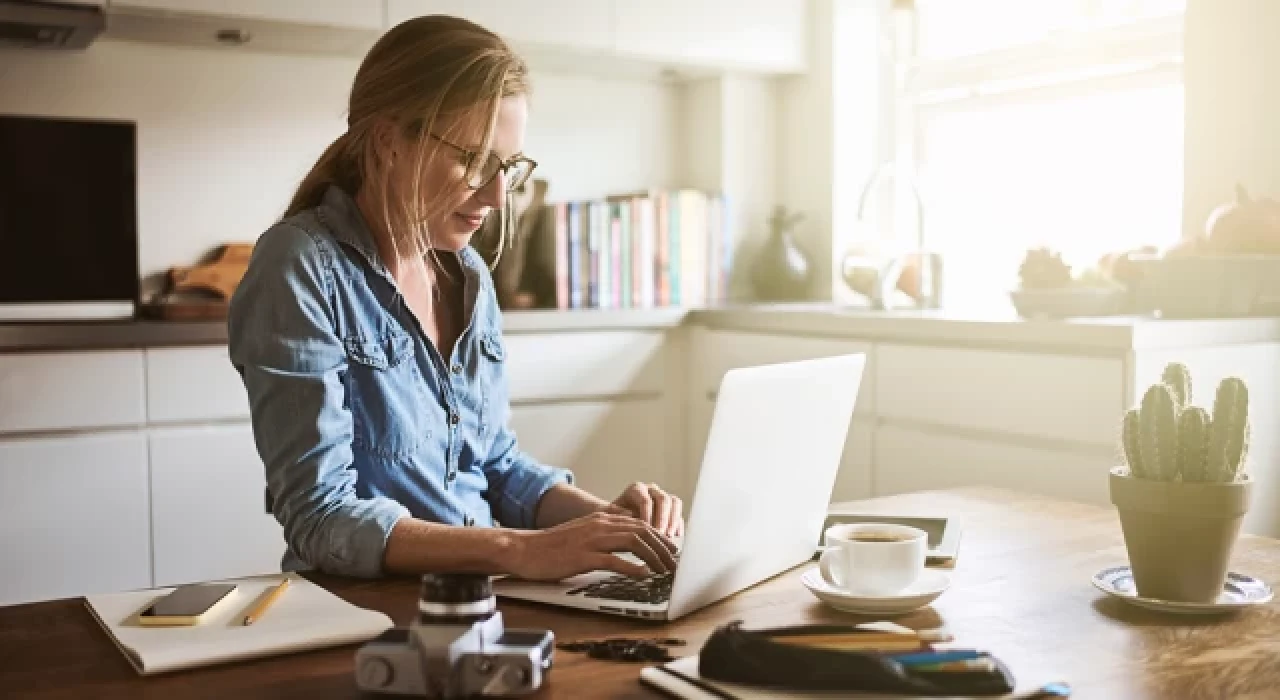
column 421, row 70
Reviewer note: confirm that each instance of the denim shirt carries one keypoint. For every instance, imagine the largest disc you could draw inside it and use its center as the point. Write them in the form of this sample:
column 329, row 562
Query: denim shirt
column 357, row 417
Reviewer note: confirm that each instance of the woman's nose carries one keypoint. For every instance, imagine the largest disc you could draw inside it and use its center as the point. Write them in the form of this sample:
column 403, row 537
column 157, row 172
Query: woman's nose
column 491, row 194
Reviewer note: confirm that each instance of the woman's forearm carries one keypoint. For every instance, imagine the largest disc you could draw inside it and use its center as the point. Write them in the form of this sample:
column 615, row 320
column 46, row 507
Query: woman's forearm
column 564, row 502
column 417, row 547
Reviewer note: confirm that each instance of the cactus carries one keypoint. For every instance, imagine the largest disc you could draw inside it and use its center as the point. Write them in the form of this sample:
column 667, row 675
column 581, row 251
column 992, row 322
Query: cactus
column 1229, row 435
column 1193, row 444
column 1179, row 380
column 1158, row 439
column 1132, row 448
column 1168, row 439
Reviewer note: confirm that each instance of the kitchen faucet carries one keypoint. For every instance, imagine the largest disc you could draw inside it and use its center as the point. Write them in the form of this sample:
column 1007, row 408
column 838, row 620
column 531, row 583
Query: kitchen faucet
column 878, row 277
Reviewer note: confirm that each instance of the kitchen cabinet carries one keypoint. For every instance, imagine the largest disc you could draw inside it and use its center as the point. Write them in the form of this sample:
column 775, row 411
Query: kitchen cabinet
column 73, row 515
column 207, row 514
column 584, row 365
column 718, row 351
column 71, row 390
column 344, row 14
column 564, row 24
column 760, row 35
column 607, row 444
column 854, row 480
column 911, row 459
column 193, row 384
column 1057, row 397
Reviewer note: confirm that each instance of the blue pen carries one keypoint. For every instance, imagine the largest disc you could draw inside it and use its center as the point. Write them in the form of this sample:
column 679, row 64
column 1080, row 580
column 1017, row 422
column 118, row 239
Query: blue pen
column 935, row 657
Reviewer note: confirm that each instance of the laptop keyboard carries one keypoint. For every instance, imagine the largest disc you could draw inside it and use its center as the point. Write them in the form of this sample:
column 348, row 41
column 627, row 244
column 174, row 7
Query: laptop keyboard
column 654, row 588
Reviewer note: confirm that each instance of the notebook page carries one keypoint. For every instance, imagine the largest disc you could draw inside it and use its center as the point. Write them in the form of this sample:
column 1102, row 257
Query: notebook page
column 304, row 617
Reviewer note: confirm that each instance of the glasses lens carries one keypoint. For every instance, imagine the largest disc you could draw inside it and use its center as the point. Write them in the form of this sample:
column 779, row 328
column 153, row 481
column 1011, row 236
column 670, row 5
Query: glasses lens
column 518, row 173
column 480, row 174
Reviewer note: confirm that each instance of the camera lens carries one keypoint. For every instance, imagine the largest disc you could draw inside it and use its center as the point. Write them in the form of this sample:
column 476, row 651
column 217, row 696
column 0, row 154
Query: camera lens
column 449, row 599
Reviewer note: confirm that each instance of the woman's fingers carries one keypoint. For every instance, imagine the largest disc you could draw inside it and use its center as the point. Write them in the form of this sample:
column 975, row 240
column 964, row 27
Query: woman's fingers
column 637, row 545
column 609, row 562
column 662, row 509
column 631, row 524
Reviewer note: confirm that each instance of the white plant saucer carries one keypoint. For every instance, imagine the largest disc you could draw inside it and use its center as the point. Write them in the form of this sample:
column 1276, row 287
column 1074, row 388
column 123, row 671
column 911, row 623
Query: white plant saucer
column 1238, row 591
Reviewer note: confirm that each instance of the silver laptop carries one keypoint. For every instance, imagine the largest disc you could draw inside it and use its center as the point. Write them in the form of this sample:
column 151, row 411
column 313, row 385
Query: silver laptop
column 776, row 439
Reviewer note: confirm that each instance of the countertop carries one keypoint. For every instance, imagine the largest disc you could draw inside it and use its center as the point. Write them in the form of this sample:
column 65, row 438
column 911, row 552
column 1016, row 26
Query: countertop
column 1106, row 335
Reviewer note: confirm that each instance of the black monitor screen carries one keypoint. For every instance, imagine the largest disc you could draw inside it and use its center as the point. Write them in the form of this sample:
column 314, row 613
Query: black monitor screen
column 68, row 210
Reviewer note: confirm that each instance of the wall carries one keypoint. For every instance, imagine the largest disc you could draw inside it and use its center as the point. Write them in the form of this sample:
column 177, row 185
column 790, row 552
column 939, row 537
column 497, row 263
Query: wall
column 224, row 136
column 1232, row 104
column 728, row 142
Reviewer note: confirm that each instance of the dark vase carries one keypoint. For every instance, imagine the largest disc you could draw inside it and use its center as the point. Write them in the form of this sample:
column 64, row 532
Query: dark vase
column 781, row 270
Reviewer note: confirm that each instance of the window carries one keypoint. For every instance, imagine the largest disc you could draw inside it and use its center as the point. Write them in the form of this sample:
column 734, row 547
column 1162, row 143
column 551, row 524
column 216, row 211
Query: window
column 1050, row 123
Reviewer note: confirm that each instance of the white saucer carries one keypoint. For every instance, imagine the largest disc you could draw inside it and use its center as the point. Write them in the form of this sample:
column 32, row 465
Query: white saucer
column 931, row 584
column 1239, row 591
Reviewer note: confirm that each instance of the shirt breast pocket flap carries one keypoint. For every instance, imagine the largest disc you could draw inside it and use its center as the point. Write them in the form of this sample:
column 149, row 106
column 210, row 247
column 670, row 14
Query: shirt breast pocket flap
column 380, row 353
column 491, row 345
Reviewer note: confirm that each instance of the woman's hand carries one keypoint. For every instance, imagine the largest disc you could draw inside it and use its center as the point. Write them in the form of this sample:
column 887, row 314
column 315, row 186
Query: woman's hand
column 589, row 543
column 648, row 502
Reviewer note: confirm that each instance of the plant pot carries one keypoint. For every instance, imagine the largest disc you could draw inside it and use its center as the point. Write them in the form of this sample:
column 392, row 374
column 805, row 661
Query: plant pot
column 1179, row 535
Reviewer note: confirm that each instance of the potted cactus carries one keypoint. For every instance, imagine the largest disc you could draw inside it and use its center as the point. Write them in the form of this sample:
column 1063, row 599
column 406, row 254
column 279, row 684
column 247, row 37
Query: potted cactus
column 1183, row 490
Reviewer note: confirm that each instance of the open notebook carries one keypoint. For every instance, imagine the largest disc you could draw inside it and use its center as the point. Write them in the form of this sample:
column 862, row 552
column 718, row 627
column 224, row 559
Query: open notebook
column 305, row 617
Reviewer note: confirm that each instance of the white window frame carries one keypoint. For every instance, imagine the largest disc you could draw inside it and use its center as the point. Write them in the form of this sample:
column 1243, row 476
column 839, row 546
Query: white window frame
column 1142, row 54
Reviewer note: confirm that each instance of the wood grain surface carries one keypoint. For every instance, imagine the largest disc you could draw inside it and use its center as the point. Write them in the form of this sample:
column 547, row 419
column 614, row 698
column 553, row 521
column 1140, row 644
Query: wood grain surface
column 1021, row 589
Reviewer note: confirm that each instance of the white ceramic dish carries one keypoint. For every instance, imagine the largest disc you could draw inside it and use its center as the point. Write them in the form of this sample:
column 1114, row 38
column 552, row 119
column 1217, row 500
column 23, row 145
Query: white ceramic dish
column 931, row 584
column 1239, row 591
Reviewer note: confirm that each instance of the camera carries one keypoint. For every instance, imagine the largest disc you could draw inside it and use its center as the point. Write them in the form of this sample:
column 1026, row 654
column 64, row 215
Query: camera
column 456, row 647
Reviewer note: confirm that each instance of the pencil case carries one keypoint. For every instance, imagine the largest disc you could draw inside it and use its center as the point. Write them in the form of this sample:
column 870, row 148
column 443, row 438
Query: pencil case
column 755, row 657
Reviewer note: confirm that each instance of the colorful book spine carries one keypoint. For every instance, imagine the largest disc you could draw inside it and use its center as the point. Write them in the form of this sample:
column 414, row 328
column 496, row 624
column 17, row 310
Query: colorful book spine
column 657, row 248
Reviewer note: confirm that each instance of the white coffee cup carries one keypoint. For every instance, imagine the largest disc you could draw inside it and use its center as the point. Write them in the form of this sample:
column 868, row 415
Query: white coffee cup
column 873, row 559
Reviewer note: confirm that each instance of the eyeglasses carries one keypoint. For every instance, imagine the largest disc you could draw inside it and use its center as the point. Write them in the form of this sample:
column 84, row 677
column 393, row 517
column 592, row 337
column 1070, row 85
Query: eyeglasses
column 517, row 169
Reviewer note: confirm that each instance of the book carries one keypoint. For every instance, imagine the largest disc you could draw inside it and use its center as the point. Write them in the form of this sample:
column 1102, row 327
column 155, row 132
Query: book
column 305, row 617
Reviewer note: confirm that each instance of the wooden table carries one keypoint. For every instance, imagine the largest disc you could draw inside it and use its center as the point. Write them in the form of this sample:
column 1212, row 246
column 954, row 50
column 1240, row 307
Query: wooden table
column 1020, row 589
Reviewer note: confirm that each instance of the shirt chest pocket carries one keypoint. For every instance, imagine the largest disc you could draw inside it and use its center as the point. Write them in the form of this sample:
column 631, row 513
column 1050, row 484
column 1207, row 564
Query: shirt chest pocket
column 385, row 394
column 492, row 380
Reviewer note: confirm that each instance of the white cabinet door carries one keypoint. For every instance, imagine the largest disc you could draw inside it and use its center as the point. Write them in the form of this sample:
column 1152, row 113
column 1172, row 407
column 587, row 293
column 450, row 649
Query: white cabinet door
column 207, row 510
column 769, row 35
column 1055, row 397
column 349, row 14
column 717, row 352
column 400, row 10
column 607, row 444
column 585, row 365
column 920, row 460
column 194, row 384
column 571, row 24
column 73, row 516
column 854, row 481
column 70, row 390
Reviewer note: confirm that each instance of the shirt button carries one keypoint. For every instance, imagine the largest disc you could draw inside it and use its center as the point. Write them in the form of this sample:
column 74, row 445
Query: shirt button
column 454, row 418
column 451, row 476
column 457, row 369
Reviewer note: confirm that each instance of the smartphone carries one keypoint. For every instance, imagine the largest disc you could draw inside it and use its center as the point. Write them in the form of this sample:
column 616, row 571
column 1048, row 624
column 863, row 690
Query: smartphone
column 186, row 605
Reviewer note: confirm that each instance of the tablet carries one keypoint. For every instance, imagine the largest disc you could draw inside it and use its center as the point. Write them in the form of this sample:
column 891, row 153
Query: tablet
column 943, row 532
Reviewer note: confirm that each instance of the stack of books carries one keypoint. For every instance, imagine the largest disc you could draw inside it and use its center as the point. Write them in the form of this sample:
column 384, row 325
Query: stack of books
column 651, row 249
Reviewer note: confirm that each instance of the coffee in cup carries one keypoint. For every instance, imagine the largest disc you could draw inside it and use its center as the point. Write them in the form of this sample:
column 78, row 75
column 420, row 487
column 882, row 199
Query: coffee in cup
column 873, row 559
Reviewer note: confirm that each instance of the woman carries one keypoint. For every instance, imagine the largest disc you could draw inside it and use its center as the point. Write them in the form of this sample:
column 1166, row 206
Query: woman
column 368, row 336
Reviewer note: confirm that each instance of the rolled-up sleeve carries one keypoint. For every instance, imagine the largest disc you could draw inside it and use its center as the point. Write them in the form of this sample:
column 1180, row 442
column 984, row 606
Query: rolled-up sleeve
column 283, row 344
column 518, row 481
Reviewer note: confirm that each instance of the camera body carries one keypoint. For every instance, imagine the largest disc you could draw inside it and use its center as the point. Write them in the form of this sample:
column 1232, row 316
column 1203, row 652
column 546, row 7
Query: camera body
column 457, row 647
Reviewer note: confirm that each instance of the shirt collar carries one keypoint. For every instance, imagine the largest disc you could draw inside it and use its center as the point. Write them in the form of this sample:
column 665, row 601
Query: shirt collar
column 348, row 226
